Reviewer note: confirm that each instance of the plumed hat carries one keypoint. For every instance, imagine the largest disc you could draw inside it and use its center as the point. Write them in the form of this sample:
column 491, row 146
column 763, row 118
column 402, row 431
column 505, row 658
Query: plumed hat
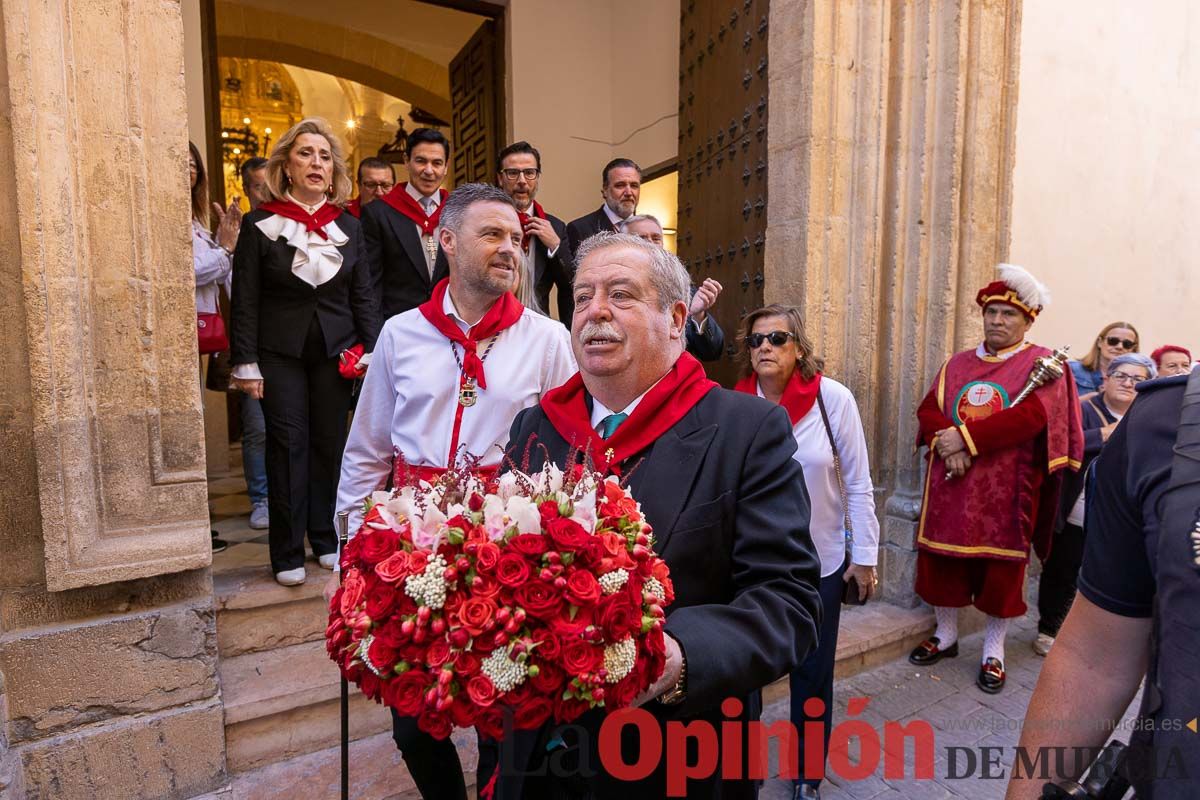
column 1017, row 288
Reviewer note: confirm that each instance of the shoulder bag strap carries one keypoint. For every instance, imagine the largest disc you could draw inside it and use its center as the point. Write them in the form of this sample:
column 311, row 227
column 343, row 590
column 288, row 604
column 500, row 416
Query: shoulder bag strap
column 837, row 469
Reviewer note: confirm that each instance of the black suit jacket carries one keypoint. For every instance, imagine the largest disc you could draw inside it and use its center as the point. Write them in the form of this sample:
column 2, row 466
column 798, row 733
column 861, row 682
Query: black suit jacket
column 730, row 514
column 272, row 309
column 708, row 343
column 397, row 259
column 585, row 226
column 558, row 270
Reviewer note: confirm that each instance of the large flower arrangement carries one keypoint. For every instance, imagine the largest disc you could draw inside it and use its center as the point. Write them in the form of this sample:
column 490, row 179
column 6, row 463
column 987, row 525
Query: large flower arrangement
column 536, row 596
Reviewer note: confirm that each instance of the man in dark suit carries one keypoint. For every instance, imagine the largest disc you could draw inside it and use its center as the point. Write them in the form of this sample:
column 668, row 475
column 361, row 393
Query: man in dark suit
column 545, row 252
column 705, row 339
column 376, row 178
column 714, row 473
column 401, row 228
column 621, row 187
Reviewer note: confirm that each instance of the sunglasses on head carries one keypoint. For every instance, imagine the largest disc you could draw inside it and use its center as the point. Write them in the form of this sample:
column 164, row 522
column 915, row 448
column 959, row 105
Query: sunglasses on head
column 776, row 338
column 1113, row 341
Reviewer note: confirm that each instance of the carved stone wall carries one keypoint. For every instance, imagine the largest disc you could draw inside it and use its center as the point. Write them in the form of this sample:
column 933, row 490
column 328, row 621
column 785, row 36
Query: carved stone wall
column 107, row 636
column 891, row 142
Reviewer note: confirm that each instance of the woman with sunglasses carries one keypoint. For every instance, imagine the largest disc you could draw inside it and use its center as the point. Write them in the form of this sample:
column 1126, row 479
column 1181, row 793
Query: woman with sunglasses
column 1101, row 413
column 779, row 364
column 1115, row 339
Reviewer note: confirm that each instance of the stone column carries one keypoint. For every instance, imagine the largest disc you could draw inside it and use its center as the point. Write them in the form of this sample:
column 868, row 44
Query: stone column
column 107, row 637
column 891, row 142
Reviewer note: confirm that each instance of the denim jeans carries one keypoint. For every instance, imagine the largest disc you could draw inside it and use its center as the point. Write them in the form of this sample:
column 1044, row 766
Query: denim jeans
column 254, row 448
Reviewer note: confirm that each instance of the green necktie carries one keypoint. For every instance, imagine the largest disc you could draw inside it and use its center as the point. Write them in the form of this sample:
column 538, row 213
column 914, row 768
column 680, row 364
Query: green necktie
column 609, row 425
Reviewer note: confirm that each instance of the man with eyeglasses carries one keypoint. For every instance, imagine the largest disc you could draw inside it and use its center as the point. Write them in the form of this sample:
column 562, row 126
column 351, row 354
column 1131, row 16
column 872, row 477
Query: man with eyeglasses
column 376, row 178
column 994, row 473
column 545, row 255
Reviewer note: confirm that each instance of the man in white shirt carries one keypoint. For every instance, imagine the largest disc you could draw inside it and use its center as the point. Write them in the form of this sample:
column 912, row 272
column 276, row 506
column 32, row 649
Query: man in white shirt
column 450, row 376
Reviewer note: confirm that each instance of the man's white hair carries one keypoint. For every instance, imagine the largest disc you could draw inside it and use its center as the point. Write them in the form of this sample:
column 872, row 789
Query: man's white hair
column 667, row 273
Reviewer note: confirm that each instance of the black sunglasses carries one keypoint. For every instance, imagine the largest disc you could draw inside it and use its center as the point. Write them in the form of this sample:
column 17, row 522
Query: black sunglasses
column 776, row 338
column 1128, row 344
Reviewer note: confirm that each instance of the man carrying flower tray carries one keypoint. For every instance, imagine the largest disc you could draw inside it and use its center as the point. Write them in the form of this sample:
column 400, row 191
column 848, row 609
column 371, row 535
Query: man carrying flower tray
column 448, row 377
column 713, row 473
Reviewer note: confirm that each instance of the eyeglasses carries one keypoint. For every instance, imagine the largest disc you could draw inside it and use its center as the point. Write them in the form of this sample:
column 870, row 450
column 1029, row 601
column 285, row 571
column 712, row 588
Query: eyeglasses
column 776, row 338
column 371, row 186
column 513, row 174
column 1125, row 377
column 1113, row 341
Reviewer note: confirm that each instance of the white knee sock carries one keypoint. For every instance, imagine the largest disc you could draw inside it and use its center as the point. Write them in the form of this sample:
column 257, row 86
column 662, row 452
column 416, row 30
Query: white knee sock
column 993, row 638
column 947, row 626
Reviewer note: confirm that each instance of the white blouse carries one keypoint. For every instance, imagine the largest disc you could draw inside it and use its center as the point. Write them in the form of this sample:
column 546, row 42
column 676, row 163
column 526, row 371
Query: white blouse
column 213, row 267
column 816, row 457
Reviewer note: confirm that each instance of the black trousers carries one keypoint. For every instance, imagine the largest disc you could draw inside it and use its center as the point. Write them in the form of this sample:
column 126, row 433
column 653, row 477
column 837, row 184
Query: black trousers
column 305, row 405
column 433, row 763
column 1056, row 589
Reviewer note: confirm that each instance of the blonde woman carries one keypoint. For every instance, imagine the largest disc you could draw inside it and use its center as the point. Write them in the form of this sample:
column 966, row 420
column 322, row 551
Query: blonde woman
column 302, row 296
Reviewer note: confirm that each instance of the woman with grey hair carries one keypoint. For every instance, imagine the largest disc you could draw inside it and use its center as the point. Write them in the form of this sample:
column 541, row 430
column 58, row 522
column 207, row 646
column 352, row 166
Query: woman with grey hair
column 1101, row 413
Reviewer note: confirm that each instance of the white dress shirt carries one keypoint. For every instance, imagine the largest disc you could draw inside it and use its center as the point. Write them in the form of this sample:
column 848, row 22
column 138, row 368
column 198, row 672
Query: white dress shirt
column 613, row 218
column 409, row 400
column 827, row 523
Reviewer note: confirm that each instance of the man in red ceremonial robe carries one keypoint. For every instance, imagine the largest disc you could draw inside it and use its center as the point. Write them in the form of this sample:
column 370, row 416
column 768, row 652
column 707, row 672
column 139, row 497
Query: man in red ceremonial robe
column 446, row 377
column 714, row 473
column 993, row 474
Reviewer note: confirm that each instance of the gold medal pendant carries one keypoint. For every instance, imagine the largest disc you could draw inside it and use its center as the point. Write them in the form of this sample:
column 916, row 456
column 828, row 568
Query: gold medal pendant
column 467, row 395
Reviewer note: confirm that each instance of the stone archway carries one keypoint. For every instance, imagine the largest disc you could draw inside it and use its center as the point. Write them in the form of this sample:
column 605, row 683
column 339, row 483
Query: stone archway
column 246, row 32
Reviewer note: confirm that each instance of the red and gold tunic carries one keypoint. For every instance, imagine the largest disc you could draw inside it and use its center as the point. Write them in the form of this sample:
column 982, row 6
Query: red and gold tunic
column 1008, row 497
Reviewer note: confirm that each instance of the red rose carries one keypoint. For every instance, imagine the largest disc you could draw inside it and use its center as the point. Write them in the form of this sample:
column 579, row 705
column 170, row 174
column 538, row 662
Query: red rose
column 547, row 644
column 538, row 599
column 475, row 614
column 570, row 709
column 548, row 509
column 655, row 642
column 567, row 534
column 394, row 567
column 353, row 588
column 462, row 713
column 582, row 588
column 417, row 560
column 438, row 653
column 490, row 722
column 621, row 693
column 380, row 599
column 370, row 685
column 377, row 545
column 529, row 544
column 512, row 570
column 454, row 601
column 390, row 634
column 406, row 693
column 467, row 663
column 532, row 713
column 486, row 556
column 481, row 690
column 549, row 680
column 569, row 627
column 435, row 724
column 618, row 616
column 579, row 657
column 485, row 586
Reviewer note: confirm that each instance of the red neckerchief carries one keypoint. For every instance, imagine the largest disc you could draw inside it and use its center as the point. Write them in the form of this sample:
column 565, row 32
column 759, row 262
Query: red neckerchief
column 798, row 396
column 316, row 221
column 663, row 406
column 354, row 208
column 399, row 199
column 504, row 313
column 527, row 237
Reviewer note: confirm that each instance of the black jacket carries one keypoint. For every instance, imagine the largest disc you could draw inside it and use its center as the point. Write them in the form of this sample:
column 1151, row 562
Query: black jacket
column 397, row 259
column 558, row 271
column 587, row 225
column 1095, row 416
column 706, row 344
column 272, row 309
column 730, row 515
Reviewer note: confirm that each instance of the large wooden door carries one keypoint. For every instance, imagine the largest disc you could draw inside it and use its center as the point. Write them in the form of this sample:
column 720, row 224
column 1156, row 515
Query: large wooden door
column 723, row 156
column 476, row 89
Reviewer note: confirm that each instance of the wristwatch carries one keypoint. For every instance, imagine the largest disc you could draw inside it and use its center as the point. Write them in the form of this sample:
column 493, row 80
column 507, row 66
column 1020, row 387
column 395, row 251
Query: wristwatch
column 676, row 694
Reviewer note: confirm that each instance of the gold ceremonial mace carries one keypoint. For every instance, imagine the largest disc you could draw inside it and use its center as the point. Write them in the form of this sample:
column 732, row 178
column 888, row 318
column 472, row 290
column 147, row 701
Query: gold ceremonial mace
column 343, row 534
column 1045, row 369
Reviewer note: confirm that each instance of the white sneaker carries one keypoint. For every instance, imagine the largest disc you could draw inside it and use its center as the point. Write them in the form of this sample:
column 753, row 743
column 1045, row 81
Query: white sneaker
column 291, row 577
column 260, row 518
column 1043, row 643
column 328, row 561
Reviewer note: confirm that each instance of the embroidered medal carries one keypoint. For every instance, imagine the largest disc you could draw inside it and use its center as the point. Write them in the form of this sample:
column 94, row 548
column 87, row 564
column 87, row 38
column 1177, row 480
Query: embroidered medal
column 979, row 400
column 467, row 394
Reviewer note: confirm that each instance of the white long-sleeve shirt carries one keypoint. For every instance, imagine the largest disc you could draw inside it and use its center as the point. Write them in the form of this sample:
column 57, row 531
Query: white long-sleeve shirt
column 409, row 398
column 827, row 525
column 213, row 267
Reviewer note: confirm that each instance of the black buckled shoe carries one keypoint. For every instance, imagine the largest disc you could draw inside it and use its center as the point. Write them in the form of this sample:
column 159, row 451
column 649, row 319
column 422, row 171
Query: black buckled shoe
column 929, row 652
column 991, row 676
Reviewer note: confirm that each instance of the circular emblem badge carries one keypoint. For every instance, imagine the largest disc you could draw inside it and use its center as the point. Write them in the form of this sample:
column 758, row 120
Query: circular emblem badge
column 979, row 400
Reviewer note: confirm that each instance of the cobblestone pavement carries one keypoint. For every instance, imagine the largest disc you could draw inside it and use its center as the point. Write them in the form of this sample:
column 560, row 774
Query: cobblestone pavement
column 946, row 696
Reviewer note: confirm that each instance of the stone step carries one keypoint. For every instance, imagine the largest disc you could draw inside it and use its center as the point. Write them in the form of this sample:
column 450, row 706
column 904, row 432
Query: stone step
column 286, row 702
column 255, row 614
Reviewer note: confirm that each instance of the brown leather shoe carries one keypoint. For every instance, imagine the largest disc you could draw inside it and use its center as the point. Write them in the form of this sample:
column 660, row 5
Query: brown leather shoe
column 991, row 676
column 930, row 652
